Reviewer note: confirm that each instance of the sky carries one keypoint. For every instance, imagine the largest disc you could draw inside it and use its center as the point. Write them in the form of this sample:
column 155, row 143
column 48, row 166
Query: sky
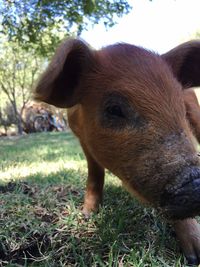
column 158, row 25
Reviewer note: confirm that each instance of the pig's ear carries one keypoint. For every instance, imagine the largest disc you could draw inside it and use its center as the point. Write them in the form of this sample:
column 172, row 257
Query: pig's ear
column 185, row 63
column 60, row 84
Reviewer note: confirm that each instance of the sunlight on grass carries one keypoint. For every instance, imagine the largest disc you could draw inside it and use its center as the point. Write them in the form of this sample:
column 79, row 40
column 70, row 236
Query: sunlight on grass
column 44, row 168
column 42, row 154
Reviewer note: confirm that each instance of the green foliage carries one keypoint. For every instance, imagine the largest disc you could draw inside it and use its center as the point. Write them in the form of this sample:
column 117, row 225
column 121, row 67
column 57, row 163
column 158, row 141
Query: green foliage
column 43, row 177
column 43, row 23
column 18, row 69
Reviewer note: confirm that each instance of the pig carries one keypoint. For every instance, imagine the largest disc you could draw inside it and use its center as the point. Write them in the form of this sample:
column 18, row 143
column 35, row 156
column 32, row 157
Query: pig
column 128, row 108
column 192, row 111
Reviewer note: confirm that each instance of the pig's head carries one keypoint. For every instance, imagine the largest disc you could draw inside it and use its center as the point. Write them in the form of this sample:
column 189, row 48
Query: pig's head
column 131, row 116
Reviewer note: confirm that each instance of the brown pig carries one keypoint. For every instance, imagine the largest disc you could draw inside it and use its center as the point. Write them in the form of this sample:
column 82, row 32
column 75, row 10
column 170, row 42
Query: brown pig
column 192, row 111
column 127, row 108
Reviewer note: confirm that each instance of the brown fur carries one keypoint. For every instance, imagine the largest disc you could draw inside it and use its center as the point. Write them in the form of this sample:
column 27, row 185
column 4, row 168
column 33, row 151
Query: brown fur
column 184, row 60
column 192, row 111
column 127, row 107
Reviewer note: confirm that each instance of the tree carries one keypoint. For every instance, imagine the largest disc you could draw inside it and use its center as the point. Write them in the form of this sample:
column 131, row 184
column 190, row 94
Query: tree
column 7, row 117
column 18, row 70
column 43, row 23
column 31, row 30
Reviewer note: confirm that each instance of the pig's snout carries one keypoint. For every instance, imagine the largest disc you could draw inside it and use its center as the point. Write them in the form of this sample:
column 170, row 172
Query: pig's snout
column 182, row 200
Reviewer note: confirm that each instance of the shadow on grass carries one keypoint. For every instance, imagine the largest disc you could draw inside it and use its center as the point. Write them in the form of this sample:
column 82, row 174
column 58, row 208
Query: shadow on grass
column 41, row 222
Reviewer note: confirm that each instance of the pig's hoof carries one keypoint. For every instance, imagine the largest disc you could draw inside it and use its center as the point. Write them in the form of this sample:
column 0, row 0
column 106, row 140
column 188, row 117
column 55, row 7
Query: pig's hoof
column 188, row 234
column 86, row 213
column 193, row 255
column 90, row 207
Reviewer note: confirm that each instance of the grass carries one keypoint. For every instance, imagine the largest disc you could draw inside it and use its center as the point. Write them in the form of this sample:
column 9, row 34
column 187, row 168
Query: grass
column 42, row 185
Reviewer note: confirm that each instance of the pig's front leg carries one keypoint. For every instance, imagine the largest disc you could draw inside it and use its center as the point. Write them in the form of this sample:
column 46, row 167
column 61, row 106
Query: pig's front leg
column 188, row 234
column 94, row 188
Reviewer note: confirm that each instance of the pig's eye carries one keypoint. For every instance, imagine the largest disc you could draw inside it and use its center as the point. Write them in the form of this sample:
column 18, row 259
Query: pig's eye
column 114, row 111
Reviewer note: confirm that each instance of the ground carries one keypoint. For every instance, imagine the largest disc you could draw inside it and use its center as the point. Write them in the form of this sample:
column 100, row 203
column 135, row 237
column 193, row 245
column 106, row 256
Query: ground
column 42, row 181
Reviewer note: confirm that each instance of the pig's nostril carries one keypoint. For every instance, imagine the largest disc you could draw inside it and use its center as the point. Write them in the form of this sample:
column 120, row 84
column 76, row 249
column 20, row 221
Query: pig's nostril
column 194, row 173
column 183, row 200
column 196, row 182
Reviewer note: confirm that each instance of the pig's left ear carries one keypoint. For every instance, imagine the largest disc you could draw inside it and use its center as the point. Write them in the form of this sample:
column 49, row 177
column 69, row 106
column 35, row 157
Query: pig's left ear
column 185, row 63
column 60, row 85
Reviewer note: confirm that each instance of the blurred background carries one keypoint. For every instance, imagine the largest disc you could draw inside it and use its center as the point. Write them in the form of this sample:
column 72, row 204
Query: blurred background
column 31, row 30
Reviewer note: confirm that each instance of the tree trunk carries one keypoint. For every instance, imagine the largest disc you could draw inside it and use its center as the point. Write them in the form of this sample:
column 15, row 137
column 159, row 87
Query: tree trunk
column 18, row 119
column 5, row 129
column 19, row 124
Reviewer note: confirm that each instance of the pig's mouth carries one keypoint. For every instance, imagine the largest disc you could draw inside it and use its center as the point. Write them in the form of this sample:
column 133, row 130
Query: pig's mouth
column 183, row 201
